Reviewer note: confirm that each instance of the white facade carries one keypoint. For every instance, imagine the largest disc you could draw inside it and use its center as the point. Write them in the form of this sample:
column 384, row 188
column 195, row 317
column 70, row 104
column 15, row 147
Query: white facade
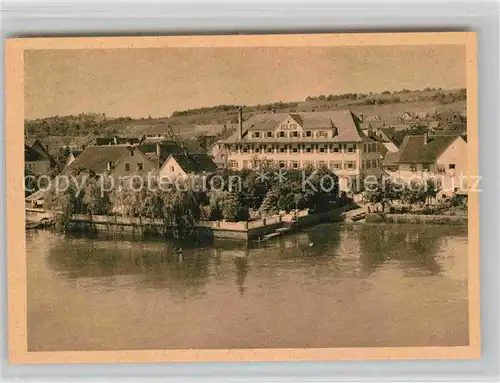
column 172, row 170
column 288, row 144
column 450, row 168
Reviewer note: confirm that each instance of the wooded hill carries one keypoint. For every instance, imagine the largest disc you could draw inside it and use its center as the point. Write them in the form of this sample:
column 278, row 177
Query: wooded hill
column 389, row 106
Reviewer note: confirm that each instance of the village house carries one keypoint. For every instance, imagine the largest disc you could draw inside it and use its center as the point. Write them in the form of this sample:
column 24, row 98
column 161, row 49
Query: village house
column 382, row 136
column 73, row 154
column 214, row 130
column 37, row 160
column 306, row 139
column 219, row 155
column 115, row 140
column 441, row 156
column 406, row 116
column 35, row 163
column 159, row 151
column 421, row 115
column 184, row 165
column 120, row 162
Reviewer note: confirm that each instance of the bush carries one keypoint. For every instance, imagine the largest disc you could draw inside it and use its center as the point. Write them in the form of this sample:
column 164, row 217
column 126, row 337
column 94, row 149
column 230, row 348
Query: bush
column 234, row 208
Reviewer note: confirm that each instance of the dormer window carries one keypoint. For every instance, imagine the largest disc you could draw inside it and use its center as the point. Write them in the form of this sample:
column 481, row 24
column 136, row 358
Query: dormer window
column 321, row 133
column 282, row 134
column 295, row 134
column 308, row 133
column 256, row 135
column 269, row 134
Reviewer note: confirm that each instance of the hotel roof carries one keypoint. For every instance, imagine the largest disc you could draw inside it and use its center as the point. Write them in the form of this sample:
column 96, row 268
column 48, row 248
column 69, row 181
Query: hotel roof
column 344, row 121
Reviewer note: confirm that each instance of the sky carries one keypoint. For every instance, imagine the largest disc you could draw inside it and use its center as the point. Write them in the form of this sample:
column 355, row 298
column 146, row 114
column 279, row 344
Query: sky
column 157, row 81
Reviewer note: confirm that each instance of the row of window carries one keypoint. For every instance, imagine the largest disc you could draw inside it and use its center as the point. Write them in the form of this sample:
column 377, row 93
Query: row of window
column 370, row 147
column 426, row 168
column 302, row 148
column 290, row 134
column 139, row 166
column 334, row 165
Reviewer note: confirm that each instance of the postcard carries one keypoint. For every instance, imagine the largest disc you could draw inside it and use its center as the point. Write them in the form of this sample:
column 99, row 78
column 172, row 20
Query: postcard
column 292, row 197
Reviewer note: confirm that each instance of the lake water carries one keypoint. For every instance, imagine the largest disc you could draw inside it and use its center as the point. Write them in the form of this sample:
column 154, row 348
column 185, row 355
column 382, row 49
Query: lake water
column 358, row 285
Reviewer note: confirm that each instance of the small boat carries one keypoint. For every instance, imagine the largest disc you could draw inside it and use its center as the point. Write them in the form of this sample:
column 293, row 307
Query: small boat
column 358, row 217
column 33, row 225
column 269, row 236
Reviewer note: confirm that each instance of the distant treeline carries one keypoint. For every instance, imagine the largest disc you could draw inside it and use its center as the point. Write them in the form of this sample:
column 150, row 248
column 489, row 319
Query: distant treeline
column 403, row 95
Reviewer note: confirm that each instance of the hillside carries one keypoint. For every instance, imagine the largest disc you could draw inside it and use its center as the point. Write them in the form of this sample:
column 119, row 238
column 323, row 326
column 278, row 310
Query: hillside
column 388, row 106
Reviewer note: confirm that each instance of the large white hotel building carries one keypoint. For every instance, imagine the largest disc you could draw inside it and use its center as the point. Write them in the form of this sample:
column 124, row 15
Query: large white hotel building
column 299, row 140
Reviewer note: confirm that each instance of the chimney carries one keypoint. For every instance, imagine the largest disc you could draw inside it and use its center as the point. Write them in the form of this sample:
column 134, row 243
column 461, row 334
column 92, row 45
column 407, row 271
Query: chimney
column 158, row 149
column 115, row 140
column 240, row 123
column 361, row 117
column 426, row 138
column 184, row 149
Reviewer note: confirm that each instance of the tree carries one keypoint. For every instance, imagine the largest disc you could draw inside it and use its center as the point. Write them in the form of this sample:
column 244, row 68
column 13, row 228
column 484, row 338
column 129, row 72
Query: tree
column 65, row 200
column 234, row 207
column 432, row 187
column 270, row 203
column 181, row 212
column 384, row 192
column 286, row 202
column 96, row 197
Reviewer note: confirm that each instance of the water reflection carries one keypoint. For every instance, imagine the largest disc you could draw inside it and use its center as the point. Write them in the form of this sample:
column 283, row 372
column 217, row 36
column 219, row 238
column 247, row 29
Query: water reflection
column 324, row 286
column 242, row 268
column 326, row 251
column 415, row 250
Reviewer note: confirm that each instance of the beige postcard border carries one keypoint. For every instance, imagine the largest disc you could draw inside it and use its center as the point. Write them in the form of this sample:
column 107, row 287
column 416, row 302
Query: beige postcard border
column 16, row 255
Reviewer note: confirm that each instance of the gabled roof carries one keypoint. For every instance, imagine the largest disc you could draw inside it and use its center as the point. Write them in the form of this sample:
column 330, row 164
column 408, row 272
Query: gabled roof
column 390, row 159
column 113, row 141
column 96, row 158
column 38, row 147
column 30, row 141
column 169, row 147
column 195, row 163
column 32, row 155
column 397, row 136
column 414, row 150
column 421, row 115
column 344, row 121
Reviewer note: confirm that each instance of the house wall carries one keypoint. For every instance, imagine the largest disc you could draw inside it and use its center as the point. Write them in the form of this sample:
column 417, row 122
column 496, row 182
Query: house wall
column 133, row 159
column 346, row 164
column 171, row 169
column 38, row 168
column 219, row 156
column 450, row 179
column 391, row 147
column 455, row 154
